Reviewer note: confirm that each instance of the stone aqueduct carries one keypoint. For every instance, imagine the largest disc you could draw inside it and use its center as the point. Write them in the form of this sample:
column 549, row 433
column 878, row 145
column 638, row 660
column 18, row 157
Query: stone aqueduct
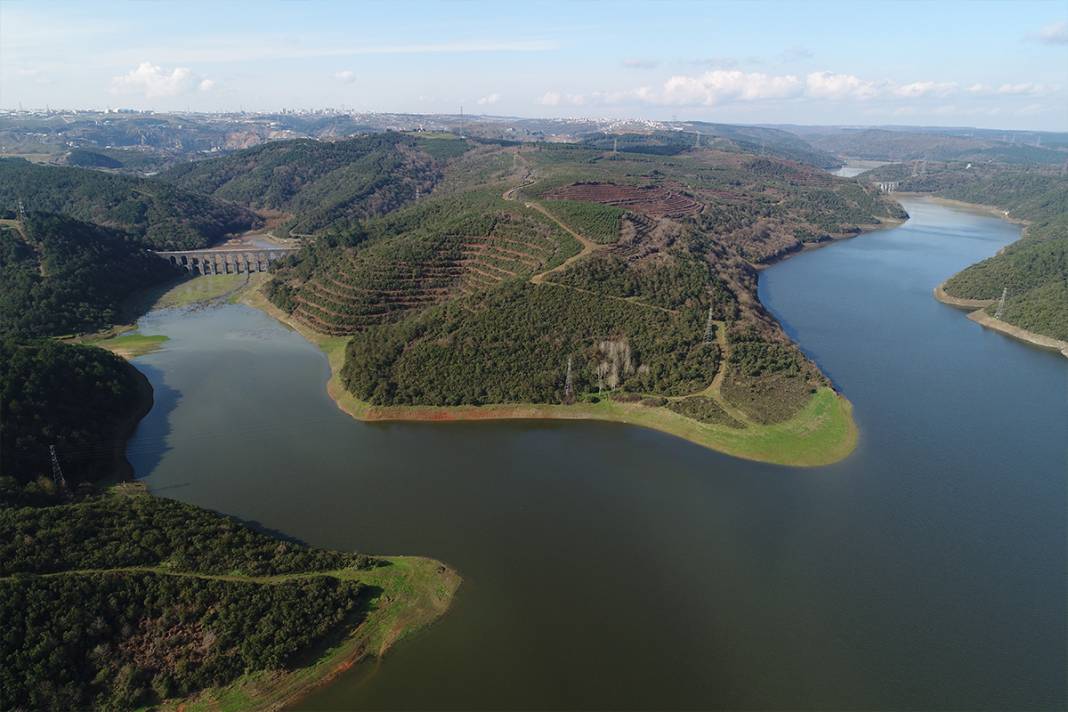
column 227, row 261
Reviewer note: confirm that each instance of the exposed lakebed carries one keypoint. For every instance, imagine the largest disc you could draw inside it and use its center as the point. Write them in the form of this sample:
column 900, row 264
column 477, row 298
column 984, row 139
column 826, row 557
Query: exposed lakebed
column 615, row 567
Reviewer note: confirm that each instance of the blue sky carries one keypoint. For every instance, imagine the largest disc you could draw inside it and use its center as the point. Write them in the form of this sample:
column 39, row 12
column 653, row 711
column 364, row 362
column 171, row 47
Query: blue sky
column 990, row 64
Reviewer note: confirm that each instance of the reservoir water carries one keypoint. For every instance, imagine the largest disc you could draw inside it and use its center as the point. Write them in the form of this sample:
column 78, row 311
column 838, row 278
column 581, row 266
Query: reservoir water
column 607, row 566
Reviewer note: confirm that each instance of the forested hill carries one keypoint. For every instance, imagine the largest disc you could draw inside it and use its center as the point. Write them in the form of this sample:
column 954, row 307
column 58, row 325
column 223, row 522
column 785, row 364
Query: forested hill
column 125, row 600
column 744, row 139
column 1034, row 269
column 79, row 398
column 59, row 275
column 158, row 213
column 322, row 184
column 630, row 271
column 904, row 145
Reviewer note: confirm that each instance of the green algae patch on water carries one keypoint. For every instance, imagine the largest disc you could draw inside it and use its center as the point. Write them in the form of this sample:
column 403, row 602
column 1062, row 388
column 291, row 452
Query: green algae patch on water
column 131, row 345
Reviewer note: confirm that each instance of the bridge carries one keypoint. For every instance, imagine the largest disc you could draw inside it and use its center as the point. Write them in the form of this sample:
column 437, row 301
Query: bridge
column 227, row 261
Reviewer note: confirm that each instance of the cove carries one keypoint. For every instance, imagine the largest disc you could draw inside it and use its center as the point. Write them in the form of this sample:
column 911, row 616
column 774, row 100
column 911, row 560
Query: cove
column 607, row 566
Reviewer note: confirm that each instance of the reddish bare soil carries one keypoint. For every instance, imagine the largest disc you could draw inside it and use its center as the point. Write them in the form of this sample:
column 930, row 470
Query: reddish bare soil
column 651, row 200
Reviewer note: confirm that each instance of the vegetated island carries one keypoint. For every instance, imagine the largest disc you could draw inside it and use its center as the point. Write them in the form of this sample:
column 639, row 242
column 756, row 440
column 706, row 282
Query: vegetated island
column 115, row 599
column 1031, row 273
column 569, row 281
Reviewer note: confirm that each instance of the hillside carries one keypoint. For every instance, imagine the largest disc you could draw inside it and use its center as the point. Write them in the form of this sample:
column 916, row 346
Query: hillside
column 723, row 137
column 160, row 215
column 321, row 184
column 1034, row 270
column 81, row 399
column 60, row 276
column 631, row 272
column 124, row 600
column 906, row 145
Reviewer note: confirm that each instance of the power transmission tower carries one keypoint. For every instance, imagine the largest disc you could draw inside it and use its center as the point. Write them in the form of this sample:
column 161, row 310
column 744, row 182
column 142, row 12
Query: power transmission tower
column 57, row 471
column 1001, row 304
column 697, row 140
column 615, row 146
column 22, row 212
column 569, row 384
column 710, row 327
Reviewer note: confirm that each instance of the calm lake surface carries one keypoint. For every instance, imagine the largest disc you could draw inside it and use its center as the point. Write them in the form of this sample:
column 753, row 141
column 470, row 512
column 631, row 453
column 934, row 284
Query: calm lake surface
column 606, row 566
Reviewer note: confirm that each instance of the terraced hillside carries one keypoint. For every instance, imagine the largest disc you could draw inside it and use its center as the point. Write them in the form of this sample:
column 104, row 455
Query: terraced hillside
column 323, row 185
column 622, row 284
column 442, row 250
column 647, row 200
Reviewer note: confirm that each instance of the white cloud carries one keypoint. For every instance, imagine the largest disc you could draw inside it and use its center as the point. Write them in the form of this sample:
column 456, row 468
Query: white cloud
column 720, row 85
column 828, row 85
column 1023, row 89
column 153, row 81
column 345, row 76
column 555, row 98
column 641, row 63
column 919, row 89
column 550, row 98
column 489, row 99
column 1054, row 33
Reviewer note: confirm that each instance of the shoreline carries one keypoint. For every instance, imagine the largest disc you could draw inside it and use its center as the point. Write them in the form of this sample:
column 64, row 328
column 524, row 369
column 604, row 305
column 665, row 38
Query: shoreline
column 822, row 433
column 975, row 307
column 415, row 592
column 886, row 224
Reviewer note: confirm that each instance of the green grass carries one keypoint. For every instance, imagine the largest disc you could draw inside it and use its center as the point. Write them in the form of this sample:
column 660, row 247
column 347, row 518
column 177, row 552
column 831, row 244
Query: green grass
column 131, row 345
column 198, row 289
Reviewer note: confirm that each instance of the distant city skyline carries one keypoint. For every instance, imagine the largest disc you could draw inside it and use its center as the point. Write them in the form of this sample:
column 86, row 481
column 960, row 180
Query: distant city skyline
column 990, row 65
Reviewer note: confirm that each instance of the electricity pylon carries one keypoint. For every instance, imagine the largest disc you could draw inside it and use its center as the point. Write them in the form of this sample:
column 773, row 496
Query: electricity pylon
column 569, row 384
column 57, row 471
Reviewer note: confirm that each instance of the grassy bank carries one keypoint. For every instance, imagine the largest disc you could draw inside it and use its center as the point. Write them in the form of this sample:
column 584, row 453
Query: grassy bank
column 411, row 592
column 823, row 432
column 185, row 293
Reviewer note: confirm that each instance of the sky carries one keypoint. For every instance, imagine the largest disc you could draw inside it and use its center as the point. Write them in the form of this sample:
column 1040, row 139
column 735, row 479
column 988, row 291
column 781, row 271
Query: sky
column 986, row 64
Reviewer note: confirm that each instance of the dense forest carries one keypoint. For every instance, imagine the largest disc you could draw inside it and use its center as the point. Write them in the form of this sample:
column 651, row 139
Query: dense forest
column 522, row 337
column 95, row 632
column 1034, row 269
column 59, row 275
column 323, row 184
column 160, row 215
column 78, row 398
